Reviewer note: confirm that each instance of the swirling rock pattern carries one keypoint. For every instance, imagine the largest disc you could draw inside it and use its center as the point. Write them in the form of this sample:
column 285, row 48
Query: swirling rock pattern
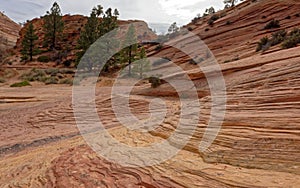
column 258, row 145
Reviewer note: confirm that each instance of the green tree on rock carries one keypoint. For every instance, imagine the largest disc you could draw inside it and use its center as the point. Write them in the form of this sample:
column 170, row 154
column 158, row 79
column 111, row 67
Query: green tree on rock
column 109, row 22
column 209, row 11
column 110, row 42
column 142, row 65
column 94, row 29
column 98, row 10
column 90, row 32
column 173, row 28
column 53, row 26
column 131, row 47
column 28, row 43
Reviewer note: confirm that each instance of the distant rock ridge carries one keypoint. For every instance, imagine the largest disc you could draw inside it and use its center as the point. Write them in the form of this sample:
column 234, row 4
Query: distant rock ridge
column 9, row 32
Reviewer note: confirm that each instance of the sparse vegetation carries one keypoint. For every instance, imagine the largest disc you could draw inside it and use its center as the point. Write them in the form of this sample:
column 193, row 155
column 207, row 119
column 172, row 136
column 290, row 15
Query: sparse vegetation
column 212, row 19
column 272, row 24
column 158, row 47
column 195, row 20
column 278, row 37
column 2, row 80
column 66, row 81
column 209, row 11
column 262, row 44
column 52, row 72
column 228, row 22
column 21, row 84
column 288, row 40
column 51, row 80
column 292, row 40
column 48, row 76
column 155, row 81
column 289, row 43
column 173, row 30
column 196, row 60
column 67, row 63
column 44, row 59
column 66, row 71
column 295, row 31
column 34, row 75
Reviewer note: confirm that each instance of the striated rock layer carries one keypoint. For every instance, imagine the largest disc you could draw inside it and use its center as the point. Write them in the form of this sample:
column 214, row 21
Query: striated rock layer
column 9, row 32
column 257, row 146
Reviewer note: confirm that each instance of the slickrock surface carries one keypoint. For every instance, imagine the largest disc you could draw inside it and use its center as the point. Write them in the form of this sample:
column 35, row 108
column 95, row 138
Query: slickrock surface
column 9, row 32
column 258, row 145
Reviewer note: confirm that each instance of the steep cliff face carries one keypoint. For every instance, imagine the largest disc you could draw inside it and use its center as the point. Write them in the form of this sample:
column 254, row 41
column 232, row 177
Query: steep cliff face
column 261, row 126
column 9, row 32
column 236, row 33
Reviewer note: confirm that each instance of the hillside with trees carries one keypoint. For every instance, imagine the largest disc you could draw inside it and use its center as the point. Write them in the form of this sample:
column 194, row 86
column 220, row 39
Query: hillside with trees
column 216, row 103
column 62, row 40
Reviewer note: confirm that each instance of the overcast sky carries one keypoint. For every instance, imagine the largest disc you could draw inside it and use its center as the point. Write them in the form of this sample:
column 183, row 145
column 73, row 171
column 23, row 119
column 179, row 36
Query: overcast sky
column 152, row 11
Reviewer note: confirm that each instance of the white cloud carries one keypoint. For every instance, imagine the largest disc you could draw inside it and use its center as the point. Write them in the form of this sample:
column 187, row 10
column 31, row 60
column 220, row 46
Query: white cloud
column 155, row 11
column 185, row 10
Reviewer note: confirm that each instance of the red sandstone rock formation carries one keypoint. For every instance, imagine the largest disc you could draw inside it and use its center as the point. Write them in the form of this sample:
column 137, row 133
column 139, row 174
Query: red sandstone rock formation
column 9, row 32
column 73, row 26
column 258, row 145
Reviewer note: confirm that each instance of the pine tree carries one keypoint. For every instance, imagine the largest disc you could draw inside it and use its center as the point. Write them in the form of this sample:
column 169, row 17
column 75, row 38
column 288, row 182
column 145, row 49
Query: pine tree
column 98, row 10
column 142, row 65
column 28, row 43
column 53, row 26
column 90, row 33
column 173, row 28
column 110, row 43
column 130, row 50
column 95, row 29
column 109, row 22
column 116, row 13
